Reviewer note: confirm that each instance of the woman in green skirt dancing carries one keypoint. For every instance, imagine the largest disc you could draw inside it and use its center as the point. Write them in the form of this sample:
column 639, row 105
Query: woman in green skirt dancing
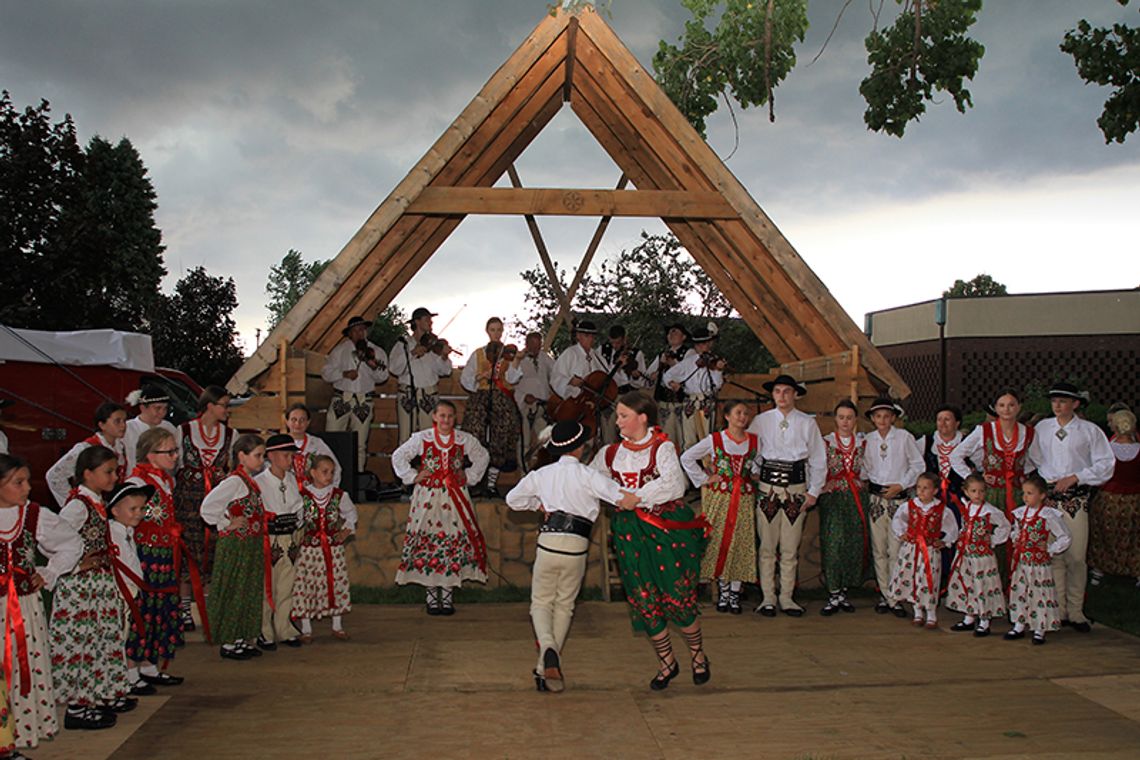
column 660, row 543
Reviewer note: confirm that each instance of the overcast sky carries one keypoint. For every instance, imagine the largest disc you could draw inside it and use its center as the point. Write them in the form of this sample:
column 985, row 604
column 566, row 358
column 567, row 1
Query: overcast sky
column 275, row 125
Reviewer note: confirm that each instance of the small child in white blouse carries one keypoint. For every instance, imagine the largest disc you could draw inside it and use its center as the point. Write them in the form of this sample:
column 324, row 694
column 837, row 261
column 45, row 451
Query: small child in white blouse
column 1039, row 534
column 975, row 583
column 924, row 526
column 125, row 507
column 328, row 520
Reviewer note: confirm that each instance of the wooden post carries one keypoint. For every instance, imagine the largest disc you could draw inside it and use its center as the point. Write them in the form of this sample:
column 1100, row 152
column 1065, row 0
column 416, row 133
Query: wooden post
column 540, row 246
column 855, row 374
column 283, row 369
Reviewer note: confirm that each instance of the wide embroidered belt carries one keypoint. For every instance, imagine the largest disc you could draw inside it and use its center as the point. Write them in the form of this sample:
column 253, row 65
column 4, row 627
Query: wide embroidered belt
column 777, row 473
column 283, row 525
column 564, row 522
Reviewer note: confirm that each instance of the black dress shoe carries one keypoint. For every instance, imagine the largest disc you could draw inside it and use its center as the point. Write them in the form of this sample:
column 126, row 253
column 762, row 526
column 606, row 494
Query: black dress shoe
column 539, row 682
column 142, row 689
column 162, row 679
column 1013, row 635
column 845, row 605
column 293, row 643
column 962, row 625
column 898, row 611
column 882, row 608
column 793, row 611
column 266, row 644
column 981, row 633
column 552, row 671
column 1081, row 628
column 829, row 609
column 234, row 653
column 661, row 680
column 1038, row 639
column 250, row 650
column 90, row 719
column 704, row 673
column 767, row 610
column 122, row 705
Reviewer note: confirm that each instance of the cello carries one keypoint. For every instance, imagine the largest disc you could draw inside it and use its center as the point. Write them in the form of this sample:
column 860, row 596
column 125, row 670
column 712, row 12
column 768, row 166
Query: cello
column 599, row 393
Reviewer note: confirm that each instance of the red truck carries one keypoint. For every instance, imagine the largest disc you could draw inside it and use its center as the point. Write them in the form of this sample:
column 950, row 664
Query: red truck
column 57, row 379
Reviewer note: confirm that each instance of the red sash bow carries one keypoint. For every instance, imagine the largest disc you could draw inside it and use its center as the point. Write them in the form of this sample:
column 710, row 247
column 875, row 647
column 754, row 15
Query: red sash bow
column 14, row 624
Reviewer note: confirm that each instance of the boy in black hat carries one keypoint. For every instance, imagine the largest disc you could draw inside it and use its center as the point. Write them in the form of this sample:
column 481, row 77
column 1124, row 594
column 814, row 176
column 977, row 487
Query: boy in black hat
column 418, row 362
column 576, row 363
column 281, row 498
column 670, row 403
column 1073, row 456
column 354, row 368
column 567, row 492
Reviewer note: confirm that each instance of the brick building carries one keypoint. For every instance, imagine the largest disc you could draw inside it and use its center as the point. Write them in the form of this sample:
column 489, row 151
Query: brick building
column 985, row 343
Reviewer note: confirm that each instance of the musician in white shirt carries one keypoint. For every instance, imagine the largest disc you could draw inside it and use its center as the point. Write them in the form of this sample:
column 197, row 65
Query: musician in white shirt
column 418, row 361
column 530, row 372
column 626, row 364
column 670, row 403
column 354, row 368
column 576, row 363
column 700, row 375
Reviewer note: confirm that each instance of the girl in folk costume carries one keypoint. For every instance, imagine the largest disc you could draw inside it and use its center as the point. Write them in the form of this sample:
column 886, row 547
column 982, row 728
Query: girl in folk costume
column 924, row 526
column 328, row 520
column 1114, row 518
column 491, row 414
column 157, row 541
column 234, row 507
column 110, row 426
column 659, row 543
column 205, row 462
column 443, row 545
column 87, row 635
column 843, row 533
column 309, row 447
column 728, row 502
column 153, row 403
column 998, row 450
column 25, row 527
column 1039, row 534
column 975, row 583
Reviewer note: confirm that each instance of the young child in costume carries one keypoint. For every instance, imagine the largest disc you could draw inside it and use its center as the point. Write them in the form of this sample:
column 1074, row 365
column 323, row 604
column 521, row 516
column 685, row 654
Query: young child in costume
column 25, row 527
column 975, row 583
column 297, row 420
column 235, row 509
column 567, row 492
column 88, row 666
column 1039, row 534
column 924, row 526
column 728, row 501
column 125, row 506
column 110, row 427
column 328, row 520
column 281, row 500
column 443, row 545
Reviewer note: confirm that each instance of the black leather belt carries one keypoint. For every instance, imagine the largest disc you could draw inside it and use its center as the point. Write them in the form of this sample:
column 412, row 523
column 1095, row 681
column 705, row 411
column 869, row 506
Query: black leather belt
column 564, row 522
column 778, row 473
column 875, row 489
column 282, row 525
column 1073, row 493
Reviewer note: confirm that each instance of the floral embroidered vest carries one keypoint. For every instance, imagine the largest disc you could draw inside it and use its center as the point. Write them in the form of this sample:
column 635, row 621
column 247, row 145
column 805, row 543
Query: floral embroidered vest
column 440, row 462
column 249, row 506
column 731, row 466
column 194, row 470
column 94, row 531
column 924, row 525
column 158, row 521
column 499, row 380
column 1033, row 539
column 977, row 539
column 994, row 461
column 839, row 464
column 317, row 520
column 19, row 554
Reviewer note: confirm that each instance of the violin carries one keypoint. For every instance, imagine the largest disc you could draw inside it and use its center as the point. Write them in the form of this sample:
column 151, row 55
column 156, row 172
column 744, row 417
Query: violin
column 366, row 354
column 437, row 345
column 711, row 360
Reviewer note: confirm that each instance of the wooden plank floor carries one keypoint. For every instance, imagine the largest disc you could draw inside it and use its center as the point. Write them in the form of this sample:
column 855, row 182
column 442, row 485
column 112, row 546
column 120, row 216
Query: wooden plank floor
column 855, row 686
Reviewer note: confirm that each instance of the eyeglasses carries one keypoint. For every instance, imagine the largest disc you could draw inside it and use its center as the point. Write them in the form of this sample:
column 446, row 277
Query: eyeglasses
column 165, row 451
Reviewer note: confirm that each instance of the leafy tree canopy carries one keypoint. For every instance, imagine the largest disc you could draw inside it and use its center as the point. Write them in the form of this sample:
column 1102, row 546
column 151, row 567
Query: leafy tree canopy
column 194, row 329
column 982, row 285
column 1110, row 57
column 288, row 281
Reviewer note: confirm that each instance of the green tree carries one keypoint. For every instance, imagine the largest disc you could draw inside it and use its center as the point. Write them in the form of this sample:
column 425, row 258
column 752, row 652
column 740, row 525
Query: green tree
column 750, row 50
column 194, row 329
column 1110, row 57
column 288, row 281
column 982, row 285
column 388, row 326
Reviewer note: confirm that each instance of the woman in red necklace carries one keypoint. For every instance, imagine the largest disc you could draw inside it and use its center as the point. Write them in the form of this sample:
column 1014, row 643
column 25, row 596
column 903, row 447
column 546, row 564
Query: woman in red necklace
column 206, row 461
column 728, row 501
column 998, row 450
column 843, row 531
column 659, row 543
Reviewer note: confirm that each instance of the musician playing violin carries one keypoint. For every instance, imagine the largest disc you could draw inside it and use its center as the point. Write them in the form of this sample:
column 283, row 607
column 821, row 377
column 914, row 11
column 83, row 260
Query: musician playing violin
column 670, row 403
column 534, row 367
column 418, row 362
column 628, row 365
column 491, row 414
column 354, row 368
column 700, row 375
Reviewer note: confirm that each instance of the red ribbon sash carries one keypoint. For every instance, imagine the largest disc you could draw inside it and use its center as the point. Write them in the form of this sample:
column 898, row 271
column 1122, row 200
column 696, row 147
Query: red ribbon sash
column 853, row 487
column 267, row 559
column 175, row 531
column 729, row 524
column 467, row 515
column 14, row 624
column 700, row 523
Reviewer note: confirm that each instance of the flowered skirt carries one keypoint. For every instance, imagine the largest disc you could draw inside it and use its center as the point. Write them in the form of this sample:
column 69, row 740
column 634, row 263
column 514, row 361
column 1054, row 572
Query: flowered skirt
column 236, row 594
column 1033, row 598
column 162, row 623
column 188, row 498
column 841, row 536
column 909, row 582
column 311, row 588
column 87, row 639
column 660, row 569
column 439, row 549
column 976, row 588
column 7, row 734
column 1114, row 533
column 740, row 558
column 32, row 716
column 498, row 428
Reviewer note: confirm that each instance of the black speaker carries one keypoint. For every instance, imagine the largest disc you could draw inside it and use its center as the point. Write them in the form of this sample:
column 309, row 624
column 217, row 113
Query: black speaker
column 343, row 445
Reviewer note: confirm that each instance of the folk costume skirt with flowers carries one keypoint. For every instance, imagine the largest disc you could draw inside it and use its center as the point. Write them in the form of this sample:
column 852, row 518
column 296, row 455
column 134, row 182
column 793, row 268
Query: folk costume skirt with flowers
column 7, row 727
column 438, row 549
column 87, row 639
column 162, row 622
column 841, row 535
column 32, row 715
column 740, row 560
column 238, row 588
column 660, row 569
column 976, row 588
column 1114, row 533
column 1033, row 597
column 311, row 588
column 908, row 579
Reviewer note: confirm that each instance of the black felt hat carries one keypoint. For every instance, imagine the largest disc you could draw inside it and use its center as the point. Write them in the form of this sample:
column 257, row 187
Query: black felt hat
column 586, row 327
column 130, row 487
column 420, row 313
column 705, row 334
column 280, row 442
column 884, row 403
column 566, row 436
column 353, row 322
column 801, row 389
column 1066, row 390
column 678, row 326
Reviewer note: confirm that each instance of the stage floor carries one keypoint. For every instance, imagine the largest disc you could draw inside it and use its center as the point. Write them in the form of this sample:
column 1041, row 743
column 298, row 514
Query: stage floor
column 853, row 686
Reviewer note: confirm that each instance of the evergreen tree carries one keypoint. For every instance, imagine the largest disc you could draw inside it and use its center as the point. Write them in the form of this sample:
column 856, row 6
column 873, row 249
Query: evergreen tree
column 194, row 329
column 288, row 281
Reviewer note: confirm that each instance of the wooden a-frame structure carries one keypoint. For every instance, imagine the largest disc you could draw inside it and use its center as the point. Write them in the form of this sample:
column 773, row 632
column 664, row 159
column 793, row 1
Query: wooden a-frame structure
column 574, row 57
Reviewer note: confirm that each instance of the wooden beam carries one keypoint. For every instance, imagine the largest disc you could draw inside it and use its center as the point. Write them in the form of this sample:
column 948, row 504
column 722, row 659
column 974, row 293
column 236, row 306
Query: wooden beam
column 540, row 246
column 665, row 204
column 571, row 37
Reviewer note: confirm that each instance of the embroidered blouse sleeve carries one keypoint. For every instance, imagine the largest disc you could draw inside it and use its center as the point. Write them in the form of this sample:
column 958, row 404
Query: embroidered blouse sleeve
column 467, row 376
column 966, row 450
column 74, row 513
column 59, row 542
column 58, row 474
column 215, row 507
column 900, row 520
column 914, row 461
column 949, row 527
column 691, row 460
column 1058, row 531
column 671, row 484
column 1103, row 460
column 817, row 460
column 599, row 462
column 348, row 511
column 402, row 458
